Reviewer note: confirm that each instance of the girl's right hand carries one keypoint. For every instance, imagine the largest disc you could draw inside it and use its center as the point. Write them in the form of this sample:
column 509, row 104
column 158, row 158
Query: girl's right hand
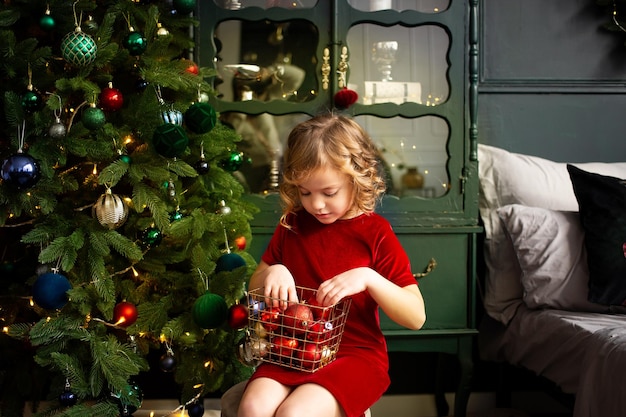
column 278, row 284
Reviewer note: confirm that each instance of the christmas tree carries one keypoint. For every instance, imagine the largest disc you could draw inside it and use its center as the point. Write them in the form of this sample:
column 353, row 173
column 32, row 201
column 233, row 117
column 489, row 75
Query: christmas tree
column 122, row 223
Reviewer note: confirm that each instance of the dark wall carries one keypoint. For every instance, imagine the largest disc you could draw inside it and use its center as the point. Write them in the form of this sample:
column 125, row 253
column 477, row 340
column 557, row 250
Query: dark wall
column 552, row 81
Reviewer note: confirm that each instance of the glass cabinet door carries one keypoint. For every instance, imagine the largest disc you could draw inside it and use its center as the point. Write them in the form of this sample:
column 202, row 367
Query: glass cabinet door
column 279, row 62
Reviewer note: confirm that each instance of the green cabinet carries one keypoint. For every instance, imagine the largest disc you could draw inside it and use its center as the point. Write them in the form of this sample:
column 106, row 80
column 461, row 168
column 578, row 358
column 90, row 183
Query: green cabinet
column 414, row 67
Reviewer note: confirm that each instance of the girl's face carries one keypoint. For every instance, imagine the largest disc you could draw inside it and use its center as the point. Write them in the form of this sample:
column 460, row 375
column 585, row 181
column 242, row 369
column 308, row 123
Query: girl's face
column 328, row 195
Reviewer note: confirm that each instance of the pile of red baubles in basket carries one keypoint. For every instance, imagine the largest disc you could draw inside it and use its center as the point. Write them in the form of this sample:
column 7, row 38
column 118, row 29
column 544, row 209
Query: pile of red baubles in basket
column 302, row 336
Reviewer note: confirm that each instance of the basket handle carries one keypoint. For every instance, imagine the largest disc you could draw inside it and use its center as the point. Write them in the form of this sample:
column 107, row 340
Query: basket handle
column 432, row 264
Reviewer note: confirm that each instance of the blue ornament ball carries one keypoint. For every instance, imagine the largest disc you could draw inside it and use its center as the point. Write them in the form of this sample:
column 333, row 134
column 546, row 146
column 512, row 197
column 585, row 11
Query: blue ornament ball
column 228, row 262
column 20, row 171
column 50, row 291
column 195, row 410
column 68, row 398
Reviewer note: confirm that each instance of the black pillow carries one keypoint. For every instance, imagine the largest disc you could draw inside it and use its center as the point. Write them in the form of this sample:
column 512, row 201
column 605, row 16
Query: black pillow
column 602, row 206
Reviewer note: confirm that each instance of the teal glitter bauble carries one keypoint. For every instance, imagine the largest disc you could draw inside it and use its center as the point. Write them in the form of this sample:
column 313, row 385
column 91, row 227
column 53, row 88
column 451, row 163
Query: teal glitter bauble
column 200, row 117
column 135, row 43
column 184, row 6
column 78, row 48
column 169, row 140
column 229, row 262
column 93, row 118
column 50, row 291
column 209, row 311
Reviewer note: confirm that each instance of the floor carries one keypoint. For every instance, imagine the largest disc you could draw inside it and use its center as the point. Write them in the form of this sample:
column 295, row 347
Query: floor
column 480, row 405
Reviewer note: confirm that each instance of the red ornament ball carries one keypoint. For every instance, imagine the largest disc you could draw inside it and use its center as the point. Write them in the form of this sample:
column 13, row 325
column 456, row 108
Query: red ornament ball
column 345, row 98
column 238, row 316
column 192, row 67
column 111, row 99
column 241, row 242
column 124, row 314
column 298, row 318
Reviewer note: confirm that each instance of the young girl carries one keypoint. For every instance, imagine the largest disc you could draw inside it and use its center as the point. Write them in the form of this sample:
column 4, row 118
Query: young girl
column 329, row 238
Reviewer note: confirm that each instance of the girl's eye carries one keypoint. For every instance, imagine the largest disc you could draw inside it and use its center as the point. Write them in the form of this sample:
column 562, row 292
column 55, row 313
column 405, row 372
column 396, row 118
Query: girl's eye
column 304, row 193
column 334, row 193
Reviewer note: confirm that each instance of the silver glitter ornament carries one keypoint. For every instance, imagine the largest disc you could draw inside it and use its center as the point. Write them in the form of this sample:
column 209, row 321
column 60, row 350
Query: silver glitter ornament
column 57, row 130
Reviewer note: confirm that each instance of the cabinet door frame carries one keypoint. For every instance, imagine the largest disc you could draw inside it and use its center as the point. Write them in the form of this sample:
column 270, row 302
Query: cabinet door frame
column 459, row 205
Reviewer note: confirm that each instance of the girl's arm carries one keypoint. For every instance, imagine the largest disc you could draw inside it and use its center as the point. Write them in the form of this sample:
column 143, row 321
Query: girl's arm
column 403, row 305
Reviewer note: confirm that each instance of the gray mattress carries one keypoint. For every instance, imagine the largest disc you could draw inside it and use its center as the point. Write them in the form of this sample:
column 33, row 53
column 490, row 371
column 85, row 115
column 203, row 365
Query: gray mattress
column 583, row 353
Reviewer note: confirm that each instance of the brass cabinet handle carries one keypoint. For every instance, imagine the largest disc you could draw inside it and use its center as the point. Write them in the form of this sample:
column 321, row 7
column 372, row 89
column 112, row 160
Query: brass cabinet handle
column 432, row 264
column 342, row 68
column 326, row 69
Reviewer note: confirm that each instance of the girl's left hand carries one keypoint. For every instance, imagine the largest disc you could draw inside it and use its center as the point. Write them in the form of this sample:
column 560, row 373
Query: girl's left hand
column 343, row 285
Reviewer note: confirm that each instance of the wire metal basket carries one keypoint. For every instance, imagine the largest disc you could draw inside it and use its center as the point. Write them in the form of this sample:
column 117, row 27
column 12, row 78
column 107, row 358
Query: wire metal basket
column 302, row 336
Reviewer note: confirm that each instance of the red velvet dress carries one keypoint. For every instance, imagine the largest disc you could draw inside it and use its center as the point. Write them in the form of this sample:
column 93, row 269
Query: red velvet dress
column 315, row 252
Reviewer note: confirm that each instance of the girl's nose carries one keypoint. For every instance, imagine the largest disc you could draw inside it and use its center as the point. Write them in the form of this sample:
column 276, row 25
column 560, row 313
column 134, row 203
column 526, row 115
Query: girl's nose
column 318, row 203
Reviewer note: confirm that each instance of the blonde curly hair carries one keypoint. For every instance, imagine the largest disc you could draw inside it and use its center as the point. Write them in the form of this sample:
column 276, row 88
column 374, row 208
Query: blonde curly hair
column 331, row 141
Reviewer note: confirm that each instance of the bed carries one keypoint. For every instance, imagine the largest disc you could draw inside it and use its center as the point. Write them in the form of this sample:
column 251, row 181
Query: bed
column 555, row 274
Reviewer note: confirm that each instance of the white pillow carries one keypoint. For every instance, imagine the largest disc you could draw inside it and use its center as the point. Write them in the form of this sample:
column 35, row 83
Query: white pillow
column 510, row 178
column 551, row 252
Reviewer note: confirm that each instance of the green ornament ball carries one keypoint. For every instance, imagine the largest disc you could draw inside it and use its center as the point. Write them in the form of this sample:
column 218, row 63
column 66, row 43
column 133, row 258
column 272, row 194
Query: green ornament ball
column 200, row 117
column 93, row 118
column 47, row 22
column 170, row 140
column 31, row 101
column 151, row 237
column 175, row 216
column 184, row 6
column 129, row 400
column 126, row 159
column 135, row 43
column 233, row 162
column 209, row 311
column 78, row 48
column 229, row 262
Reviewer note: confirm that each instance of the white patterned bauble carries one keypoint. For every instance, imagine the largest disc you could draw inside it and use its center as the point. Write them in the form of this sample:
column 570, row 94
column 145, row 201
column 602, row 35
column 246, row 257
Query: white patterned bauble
column 110, row 210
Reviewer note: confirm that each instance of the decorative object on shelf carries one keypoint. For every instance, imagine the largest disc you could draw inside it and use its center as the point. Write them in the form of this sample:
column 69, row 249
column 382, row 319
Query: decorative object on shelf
column 384, row 55
column 412, row 179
